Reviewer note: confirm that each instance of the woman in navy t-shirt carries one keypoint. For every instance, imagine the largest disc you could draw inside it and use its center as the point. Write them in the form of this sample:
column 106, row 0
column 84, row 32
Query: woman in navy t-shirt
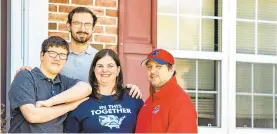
column 109, row 109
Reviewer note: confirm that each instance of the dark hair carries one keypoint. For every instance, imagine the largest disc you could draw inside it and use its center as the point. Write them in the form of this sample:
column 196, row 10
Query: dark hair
column 119, row 90
column 81, row 10
column 169, row 66
column 54, row 41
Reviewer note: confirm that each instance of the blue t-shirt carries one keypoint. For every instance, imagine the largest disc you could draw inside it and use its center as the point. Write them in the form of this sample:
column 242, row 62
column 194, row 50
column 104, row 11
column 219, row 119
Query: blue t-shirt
column 105, row 116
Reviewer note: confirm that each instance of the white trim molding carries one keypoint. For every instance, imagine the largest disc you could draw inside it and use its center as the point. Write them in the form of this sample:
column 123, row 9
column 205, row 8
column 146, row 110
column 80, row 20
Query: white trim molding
column 29, row 27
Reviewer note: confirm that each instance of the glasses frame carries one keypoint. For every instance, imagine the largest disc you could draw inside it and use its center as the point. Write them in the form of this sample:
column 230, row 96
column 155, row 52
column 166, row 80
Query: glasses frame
column 79, row 24
column 54, row 54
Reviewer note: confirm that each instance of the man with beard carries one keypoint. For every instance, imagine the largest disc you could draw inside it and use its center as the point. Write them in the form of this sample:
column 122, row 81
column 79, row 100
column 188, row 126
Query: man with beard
column 80, row 24
column 169, row 108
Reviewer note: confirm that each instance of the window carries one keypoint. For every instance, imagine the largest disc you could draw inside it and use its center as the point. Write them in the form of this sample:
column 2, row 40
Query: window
column 256, row 28
column 191, row 28
column 256, row 101
column 200, row 78
column 225, row 53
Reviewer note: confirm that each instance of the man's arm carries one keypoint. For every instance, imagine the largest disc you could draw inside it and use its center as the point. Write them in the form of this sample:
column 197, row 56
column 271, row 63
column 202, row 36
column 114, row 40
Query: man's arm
column 134, row 91
column 29, row 68
column 79, row 91
column 183, row 117
column 44, row 114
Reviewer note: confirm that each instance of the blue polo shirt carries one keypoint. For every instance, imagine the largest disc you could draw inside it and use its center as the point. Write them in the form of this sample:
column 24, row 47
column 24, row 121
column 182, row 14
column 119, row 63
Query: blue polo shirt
column 28, row 87
column 105, row 116
column 77, row 65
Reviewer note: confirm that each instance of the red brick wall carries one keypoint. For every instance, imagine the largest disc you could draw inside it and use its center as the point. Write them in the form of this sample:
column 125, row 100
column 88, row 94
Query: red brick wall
column 105, row 32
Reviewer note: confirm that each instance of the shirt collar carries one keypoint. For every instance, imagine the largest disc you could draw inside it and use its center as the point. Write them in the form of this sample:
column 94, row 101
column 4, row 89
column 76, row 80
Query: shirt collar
column 42, row 76
column 89, row 50
column 168, row 90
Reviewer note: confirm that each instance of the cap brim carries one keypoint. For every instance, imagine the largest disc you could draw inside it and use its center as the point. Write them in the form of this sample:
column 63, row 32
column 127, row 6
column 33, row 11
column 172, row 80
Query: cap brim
column 155, row 59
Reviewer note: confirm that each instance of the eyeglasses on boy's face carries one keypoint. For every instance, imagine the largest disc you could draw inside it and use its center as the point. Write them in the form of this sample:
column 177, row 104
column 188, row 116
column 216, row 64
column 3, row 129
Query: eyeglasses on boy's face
column 54, row 54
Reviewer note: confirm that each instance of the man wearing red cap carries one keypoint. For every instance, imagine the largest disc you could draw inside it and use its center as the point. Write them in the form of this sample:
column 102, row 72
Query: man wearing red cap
column 169, row 108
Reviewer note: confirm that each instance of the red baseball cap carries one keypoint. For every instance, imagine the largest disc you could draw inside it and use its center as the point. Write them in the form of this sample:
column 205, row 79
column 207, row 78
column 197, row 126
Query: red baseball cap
column 160, row 56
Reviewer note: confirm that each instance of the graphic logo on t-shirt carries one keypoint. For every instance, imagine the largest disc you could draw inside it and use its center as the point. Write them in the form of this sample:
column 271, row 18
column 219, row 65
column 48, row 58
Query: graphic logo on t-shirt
column 108, row 115
column 111, row 121
column 156, row 109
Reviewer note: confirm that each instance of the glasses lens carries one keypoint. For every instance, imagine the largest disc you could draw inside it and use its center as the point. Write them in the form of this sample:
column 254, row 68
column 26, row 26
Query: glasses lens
column 63, row 56
column 52, row 54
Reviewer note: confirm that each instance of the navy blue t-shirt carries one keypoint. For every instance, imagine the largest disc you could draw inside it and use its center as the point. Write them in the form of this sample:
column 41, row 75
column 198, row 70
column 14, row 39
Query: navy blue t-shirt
column 105, row 116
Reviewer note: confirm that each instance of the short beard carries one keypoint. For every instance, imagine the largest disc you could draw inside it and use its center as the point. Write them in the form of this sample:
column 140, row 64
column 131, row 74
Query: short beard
column 80, row 41
column 158, row 87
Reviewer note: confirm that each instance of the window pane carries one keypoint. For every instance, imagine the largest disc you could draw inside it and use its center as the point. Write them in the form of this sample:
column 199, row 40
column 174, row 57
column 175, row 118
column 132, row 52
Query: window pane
column 211, row 35
column 275, row 112
column 207, row 110
column 167, row 6
column 245, row 37
column 263, row 78
column 263, row 116
column 186, row 73
column 243, row 111
column 189, row 7
column 193, row 98
column 211, row 7
column 189, row 33
column 243, row 77
column 207, row 77
column 276, row 80
column 167, row 32
column 267, row 10
column 246, row 9
column 267, row 38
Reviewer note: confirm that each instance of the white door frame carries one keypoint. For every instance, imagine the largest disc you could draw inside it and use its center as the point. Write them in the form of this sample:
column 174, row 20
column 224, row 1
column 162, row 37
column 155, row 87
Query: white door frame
column 28, row 29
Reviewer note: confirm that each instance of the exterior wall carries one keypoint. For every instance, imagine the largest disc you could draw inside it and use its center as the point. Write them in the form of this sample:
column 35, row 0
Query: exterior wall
column 106, row 30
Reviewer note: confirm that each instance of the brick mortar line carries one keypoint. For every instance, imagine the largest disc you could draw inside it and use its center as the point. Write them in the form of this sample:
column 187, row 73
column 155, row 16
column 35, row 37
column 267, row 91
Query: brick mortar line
column 64, row 22
column 58, row 31
column 97, row 16
column 102, row 16
column 94, row 34
column 77, row 5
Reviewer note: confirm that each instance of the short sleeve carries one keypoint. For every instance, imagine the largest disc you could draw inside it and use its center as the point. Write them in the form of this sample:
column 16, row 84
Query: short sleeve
column 22, row 90
column 68, row 82
column 71, row 124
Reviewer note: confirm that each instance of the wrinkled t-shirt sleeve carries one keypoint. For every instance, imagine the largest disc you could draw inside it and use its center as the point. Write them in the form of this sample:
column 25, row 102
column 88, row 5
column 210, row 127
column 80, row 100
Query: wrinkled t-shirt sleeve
column 22, row 90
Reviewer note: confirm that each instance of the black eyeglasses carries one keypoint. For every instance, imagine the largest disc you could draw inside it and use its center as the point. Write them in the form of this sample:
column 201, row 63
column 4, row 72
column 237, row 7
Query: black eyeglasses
column 78, row 24
column 54, row 54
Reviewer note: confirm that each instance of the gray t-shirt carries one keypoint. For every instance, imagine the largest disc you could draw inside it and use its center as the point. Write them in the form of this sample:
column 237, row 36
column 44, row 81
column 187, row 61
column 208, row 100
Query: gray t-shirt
column 77, row 65
column 29, row 87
